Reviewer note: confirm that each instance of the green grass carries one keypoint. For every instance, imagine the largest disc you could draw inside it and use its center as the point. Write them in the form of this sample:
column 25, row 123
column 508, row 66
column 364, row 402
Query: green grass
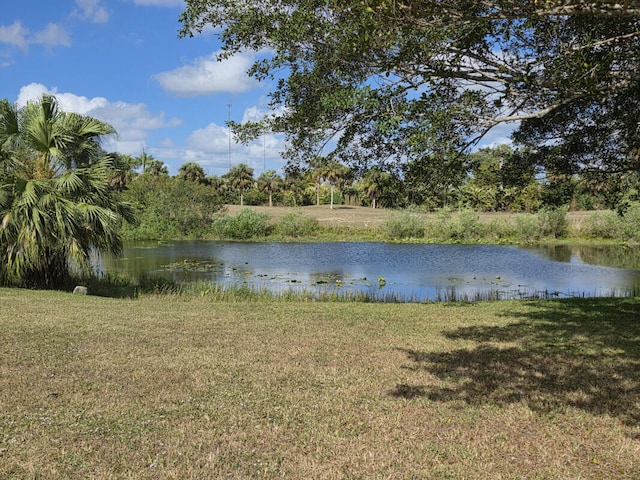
column 181, row 387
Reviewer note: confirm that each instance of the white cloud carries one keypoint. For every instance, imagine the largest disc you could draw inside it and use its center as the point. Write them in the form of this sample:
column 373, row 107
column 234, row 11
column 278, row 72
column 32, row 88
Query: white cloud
column 92, row 11
column 68, row 101
column 498, row 135
column 14, row 34
column 133, row 122
column 53, row 35
column 5, row 60
column 209, row 146
column 252, row 114
column 213, row 139
column 208, row 76
column 256, row 113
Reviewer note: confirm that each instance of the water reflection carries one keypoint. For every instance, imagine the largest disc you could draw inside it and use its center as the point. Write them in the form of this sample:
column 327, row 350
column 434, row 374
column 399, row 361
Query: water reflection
column 616, row 256
column 398, row 271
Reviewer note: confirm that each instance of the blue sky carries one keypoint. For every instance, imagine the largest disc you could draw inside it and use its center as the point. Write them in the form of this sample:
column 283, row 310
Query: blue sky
column 121, row 61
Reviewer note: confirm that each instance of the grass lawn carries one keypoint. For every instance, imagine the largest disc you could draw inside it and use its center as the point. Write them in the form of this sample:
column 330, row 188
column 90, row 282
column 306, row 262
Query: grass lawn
column 155, row 388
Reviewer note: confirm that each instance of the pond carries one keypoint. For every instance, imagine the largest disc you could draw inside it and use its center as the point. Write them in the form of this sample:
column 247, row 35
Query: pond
column 392, row 272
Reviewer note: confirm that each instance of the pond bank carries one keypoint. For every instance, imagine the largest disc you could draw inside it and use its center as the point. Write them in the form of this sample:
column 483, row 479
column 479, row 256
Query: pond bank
column 345, row 223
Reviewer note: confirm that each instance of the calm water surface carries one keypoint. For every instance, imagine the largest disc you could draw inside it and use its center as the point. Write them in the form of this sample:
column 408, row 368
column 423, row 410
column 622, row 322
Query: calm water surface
column 391, row 271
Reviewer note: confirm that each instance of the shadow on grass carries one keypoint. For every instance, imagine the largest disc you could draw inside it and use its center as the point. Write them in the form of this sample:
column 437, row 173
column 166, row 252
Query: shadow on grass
column 568, row 353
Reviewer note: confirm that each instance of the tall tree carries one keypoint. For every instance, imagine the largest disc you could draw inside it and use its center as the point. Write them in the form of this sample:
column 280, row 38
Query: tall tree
column 56, row 201
column 295, row 183
column 391, row 80
column 315, row 173
column 334, row 172
column 374, row 183
column 430, row 180
column 124, row 171
column 240, row 178
column 502, row 171
column 269, row 182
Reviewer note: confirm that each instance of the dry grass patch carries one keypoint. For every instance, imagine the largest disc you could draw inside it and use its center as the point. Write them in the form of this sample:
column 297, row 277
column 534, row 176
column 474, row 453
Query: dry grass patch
column 354, row 217
column 339, row 216
column 150, row 388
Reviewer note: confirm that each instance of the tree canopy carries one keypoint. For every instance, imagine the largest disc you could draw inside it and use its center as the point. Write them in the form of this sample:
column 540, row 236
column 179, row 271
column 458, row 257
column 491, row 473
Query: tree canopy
column 384, row 81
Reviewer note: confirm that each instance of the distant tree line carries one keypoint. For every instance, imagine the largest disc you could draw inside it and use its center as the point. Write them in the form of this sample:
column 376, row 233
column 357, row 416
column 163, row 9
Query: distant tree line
column 498, row 179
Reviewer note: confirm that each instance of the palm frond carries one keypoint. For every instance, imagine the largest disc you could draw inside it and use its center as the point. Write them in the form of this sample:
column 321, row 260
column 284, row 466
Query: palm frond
column 9, row 126
column 70, row 182
column 6, row 196
column 30, row 194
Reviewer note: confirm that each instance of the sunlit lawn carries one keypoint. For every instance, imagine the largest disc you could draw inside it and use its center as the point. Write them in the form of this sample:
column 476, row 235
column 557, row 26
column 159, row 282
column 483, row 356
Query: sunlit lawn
column 157, row 388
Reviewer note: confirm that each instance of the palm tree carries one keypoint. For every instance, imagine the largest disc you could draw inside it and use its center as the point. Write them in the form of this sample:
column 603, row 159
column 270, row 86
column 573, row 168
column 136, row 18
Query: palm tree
column 193, row 172
column 240, row 178
column 217, row 183
column 373, row 183
column 316, row 174
column 154, row 167
column 124, row 171
column 333, row 173
column 294, row 184
column 269, row 182
column 56, row 203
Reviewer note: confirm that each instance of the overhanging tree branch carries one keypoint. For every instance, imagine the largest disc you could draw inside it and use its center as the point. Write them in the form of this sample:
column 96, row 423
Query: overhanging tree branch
column 407, row 76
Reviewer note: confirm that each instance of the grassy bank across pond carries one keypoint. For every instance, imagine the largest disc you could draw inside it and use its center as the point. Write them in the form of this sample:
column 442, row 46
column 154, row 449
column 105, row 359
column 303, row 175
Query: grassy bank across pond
column 346, row 223
column 157, row 387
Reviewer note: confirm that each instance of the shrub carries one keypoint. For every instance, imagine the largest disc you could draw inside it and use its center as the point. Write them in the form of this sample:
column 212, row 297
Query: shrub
column 553, row 222
column 440, row 227
column 631, row 223
column 246, row 224
column 611, row 225
column 403, row 225
column 605, row 224
column 297, row 224
column 170, row 208
column 463, row 226
column 498, row 231
column 466, row 226
column 527, row 228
